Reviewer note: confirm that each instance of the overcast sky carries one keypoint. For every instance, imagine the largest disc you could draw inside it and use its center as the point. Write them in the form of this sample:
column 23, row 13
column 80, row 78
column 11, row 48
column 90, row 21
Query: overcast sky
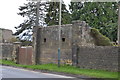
column 8, row 14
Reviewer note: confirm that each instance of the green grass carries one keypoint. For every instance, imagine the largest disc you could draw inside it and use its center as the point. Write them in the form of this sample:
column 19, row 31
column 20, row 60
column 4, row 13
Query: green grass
column 66, row 69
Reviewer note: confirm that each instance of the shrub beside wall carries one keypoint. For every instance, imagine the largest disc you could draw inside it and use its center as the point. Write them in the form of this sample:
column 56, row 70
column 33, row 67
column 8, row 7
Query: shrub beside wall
column 99, row 39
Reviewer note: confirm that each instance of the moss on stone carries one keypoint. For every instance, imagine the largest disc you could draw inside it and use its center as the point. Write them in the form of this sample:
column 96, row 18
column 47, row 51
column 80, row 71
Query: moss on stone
column 100, row 39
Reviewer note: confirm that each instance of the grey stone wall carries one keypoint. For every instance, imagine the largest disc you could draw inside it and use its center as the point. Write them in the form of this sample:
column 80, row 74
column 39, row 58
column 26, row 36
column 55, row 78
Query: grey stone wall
column 47, row 42
column 1, row 39
column 98, row 57
column 6, row 50
column 77, row 48
column 5, row 35
column 0, row 51
column 81, row 34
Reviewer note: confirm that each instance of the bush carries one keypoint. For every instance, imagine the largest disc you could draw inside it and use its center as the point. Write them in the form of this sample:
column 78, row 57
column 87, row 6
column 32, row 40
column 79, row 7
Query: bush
column 14, row 39
column 26, row 43
column 100, row 39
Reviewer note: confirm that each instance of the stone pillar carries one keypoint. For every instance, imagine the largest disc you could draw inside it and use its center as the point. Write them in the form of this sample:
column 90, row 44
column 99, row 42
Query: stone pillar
column 36, row 38
column 1, row 51
column 15, row 54
column 74, row 55
column 119, row 24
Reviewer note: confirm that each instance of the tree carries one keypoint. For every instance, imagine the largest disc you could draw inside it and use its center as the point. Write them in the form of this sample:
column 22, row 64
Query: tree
column 100, row 15
column 74, row 8
column 49, row 15
column 52, row 16
column 28, row 11
column 119, row 25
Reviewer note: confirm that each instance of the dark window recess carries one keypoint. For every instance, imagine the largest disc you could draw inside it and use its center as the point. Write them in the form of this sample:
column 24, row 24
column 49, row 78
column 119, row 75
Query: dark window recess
column 63, row 39
column 44, row 39
column 61, row 32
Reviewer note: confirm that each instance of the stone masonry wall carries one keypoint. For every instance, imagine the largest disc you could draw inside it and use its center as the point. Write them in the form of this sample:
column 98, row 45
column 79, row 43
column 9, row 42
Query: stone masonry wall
column 105, row 58
column 47, row 41
column 6, row 50
column 77, row 48
column 0, row 51
column 5, row 35
column 1, row 39
column 81, row 34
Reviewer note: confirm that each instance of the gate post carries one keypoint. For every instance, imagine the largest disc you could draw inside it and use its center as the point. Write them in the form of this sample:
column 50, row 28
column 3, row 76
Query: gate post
column 36, row 45
column 74, row 55
column 15, row 54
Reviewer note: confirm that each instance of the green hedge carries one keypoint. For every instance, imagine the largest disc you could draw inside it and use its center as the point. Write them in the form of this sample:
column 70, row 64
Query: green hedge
column 100, row 39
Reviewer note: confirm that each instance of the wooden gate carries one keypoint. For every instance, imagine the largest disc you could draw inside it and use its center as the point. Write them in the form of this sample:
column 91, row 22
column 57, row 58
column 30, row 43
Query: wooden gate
column 25, row 55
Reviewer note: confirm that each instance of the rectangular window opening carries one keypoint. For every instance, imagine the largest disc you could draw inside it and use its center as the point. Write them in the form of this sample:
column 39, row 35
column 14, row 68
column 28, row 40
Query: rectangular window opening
column 63, row 39
column 44, row 39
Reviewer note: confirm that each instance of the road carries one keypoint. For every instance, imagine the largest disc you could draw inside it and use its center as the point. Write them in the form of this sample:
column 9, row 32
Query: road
column 11, row 72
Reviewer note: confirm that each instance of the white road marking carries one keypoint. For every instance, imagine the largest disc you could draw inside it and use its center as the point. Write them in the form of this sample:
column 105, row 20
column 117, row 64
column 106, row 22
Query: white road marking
column 57, row 75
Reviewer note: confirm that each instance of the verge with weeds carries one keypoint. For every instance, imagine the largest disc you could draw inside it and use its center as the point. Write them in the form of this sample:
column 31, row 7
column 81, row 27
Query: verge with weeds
column 66, row 69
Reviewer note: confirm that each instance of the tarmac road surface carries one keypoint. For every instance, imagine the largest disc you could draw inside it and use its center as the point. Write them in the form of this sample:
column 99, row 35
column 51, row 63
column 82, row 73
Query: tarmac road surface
column 11, row 72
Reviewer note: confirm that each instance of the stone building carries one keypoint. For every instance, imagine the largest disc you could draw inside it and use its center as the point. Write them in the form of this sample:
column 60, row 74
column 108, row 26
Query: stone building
column 6, row 47
column 78, row 47
column 47, row 42
column 5, row 35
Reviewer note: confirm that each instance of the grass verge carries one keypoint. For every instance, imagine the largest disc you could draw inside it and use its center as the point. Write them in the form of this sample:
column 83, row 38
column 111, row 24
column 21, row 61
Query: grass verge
column 66, row 69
